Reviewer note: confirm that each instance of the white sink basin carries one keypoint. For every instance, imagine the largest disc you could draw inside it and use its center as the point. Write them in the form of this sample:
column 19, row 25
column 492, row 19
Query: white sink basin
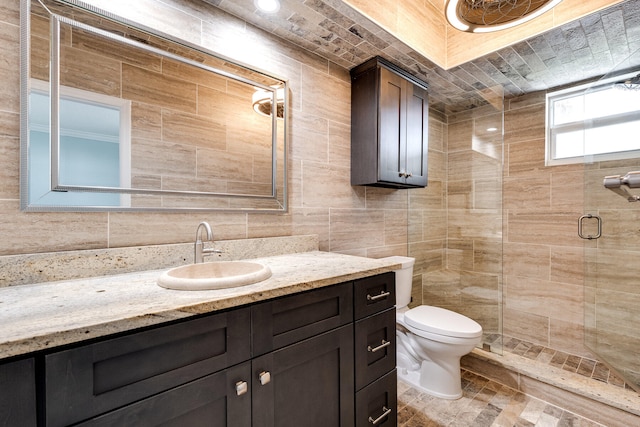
column 214, row 275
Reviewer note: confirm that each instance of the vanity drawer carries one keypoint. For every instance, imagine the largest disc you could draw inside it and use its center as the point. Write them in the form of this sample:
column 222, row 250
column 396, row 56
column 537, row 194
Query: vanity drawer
column 378, row 403
column 18, row 393
column 86, row 381
column 374, row 294
column 375, row 347
column 290, row 319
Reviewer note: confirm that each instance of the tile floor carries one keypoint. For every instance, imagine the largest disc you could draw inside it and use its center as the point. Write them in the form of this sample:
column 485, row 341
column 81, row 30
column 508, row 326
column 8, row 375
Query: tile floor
column 484, row 403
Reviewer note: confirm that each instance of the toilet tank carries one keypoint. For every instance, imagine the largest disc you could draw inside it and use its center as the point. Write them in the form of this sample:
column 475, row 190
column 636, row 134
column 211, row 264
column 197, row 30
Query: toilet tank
column 404, row 279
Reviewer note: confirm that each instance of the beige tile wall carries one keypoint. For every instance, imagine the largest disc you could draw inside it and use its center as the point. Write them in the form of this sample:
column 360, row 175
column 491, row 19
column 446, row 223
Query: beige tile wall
column 348, row 219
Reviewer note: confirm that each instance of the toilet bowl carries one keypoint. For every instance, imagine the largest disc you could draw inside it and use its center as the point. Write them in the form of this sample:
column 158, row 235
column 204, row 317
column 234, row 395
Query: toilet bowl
column 430, row 340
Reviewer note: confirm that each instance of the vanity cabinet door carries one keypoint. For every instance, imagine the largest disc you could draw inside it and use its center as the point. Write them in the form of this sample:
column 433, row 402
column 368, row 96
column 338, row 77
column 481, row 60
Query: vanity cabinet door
column 219, row 400
column 18, row 394
column 93, row 379
column 306, row 384
column 290, row 319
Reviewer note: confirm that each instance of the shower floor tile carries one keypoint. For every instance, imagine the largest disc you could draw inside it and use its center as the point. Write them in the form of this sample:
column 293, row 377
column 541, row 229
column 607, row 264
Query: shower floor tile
column 484, row 403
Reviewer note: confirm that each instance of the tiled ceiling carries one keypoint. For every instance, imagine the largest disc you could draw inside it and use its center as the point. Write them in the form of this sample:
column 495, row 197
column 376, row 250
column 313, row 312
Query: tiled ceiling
column 580, row 50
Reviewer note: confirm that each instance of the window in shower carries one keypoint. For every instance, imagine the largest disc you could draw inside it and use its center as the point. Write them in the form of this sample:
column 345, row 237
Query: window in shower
column 594, row 122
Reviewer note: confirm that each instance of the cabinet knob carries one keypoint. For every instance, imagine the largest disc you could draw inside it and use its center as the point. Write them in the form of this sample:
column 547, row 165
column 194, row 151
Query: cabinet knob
column 241, row 388
column 264, row 377
column 385, row 411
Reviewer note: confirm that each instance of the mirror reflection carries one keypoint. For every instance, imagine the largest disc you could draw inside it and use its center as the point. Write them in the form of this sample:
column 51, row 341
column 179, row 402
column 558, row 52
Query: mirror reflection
column 121, row 118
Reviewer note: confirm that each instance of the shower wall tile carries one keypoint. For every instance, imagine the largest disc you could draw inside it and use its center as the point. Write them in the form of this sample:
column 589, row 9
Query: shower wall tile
column 527, row 260
column 567, row 265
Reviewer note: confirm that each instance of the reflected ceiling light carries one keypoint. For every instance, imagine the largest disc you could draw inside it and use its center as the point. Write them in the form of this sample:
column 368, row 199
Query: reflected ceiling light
column 492, row 129
column 484, row 16
column 263, row 100
column 267, row 6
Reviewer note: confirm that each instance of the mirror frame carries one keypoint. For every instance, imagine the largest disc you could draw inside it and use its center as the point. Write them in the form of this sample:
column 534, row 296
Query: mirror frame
column 279, row 195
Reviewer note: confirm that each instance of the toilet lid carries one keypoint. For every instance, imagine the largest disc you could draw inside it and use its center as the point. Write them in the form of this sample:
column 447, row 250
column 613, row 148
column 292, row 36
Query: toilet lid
column 442, row 322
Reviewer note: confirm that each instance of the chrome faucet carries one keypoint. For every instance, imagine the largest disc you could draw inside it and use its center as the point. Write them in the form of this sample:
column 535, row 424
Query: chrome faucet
column 199, row 249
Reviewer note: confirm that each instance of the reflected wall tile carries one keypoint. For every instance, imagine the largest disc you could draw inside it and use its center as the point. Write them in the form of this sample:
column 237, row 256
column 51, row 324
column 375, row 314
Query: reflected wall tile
column 145, row 86
column 169, row 158
column 91, row 72
column 191, row 129
column 146, row 121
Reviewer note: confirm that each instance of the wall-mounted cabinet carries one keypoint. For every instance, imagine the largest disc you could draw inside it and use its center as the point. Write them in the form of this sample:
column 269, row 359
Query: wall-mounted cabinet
column 389, row 126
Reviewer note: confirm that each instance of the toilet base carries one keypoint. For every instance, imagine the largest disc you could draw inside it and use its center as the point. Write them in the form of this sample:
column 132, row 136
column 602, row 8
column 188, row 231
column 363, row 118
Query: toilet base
column 413, row 379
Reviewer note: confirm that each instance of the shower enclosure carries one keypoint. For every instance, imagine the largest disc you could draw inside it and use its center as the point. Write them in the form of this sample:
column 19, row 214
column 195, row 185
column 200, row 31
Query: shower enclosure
column 611, row 229
column 455, row 224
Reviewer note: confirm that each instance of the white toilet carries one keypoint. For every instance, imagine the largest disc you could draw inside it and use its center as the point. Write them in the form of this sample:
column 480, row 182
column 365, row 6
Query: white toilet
column 430, row 340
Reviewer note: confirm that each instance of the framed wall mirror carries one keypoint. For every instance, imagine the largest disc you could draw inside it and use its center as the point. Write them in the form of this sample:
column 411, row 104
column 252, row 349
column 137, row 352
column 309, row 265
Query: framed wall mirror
column 117, row 116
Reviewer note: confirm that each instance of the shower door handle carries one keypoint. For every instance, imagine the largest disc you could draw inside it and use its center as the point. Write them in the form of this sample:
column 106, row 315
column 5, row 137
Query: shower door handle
column 589, row 237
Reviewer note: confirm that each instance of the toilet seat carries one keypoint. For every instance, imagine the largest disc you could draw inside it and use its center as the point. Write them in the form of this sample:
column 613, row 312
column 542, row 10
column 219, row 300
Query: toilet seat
column 441, row 321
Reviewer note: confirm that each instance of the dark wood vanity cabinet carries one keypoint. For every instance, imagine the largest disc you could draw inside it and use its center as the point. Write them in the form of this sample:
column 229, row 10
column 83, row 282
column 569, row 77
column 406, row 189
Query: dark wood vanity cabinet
column 18, row 393
column 389, row 126
column 323, row 357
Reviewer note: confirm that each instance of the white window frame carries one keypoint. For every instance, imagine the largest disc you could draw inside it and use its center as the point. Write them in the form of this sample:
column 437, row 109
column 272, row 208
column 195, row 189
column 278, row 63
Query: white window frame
column 553, row 130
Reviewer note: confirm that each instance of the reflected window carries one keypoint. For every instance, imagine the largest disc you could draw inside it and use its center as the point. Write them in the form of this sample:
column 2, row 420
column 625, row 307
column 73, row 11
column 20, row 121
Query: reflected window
column 593, row 122
column 95, row 147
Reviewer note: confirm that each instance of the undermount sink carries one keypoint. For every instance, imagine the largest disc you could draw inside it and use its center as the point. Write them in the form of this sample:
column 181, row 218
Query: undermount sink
column 214, row 275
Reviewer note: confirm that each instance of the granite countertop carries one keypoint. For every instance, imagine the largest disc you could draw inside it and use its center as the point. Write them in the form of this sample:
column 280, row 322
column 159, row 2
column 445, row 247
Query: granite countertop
column 46, row 315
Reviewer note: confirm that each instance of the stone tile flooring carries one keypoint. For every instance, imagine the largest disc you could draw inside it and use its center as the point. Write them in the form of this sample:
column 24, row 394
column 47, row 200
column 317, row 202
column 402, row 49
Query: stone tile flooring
column 484, row 403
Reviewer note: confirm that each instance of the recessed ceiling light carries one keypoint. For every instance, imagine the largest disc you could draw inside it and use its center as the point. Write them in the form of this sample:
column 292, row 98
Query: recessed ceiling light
column 267, row 6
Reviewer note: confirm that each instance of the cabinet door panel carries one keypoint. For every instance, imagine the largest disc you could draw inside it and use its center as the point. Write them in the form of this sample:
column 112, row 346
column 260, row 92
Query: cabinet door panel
column 92, row 379
column 287, row 320
column 417, row 135
column 18, row 394
column 211, row 401
column 392, row 126
column 378, row 401
column 311, row 383
column 375, row 347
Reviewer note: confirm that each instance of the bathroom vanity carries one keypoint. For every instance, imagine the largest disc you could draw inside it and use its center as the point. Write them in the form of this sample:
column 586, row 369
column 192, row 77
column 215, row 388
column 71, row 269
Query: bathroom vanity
column 315, row 352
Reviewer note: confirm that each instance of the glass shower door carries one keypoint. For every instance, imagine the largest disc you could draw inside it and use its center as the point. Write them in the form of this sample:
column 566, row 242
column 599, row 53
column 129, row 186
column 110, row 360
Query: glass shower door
column 612, row 266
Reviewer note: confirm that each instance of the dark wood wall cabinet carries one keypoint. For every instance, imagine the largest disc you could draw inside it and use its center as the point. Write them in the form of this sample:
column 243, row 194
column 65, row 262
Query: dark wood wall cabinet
column 324, row 357
column 389, row 126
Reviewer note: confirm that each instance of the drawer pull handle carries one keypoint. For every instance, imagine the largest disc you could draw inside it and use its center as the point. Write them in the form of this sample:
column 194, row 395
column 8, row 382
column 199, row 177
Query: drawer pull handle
column 386, row 412
column 264, row 377
column 241, row 388
column 380, row 347
column 377, row 297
